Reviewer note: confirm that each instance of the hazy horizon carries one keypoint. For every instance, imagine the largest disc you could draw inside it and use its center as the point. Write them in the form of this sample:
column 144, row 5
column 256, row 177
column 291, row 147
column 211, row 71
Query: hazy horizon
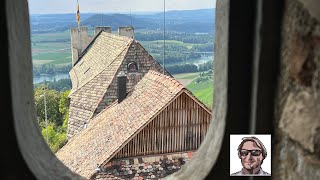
column 115, row 6
column 137, row 13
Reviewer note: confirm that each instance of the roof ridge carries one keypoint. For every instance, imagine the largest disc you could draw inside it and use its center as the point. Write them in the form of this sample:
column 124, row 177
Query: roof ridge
column 94, row 39
column 155, row 113
column 153, row 58
column 159, row 90
column 133, row 89
column 104, row 93
column 189, row 93
column 115, row 101
column 103, row 69
column 87, row 48
column 172, row 79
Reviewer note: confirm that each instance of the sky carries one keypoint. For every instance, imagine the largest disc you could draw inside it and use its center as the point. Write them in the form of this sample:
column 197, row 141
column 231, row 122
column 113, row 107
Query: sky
column 115, row 6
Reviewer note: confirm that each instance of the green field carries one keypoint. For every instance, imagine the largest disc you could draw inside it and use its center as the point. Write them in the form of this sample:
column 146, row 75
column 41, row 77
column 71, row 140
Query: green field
column 203, row 91
column 50, row 36
column 174, row 42
column 159, row 43
column 55, row 57
column 186, row 78
column 41, row 47
column 187, row 75
column 51, row 48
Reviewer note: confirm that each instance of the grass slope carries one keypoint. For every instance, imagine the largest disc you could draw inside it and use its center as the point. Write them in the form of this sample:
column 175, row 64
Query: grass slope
column 51, row 48
column 203, row 91
column 186, row 75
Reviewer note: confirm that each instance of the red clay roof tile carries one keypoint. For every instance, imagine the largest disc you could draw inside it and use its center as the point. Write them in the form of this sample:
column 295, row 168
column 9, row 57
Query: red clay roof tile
column 118, row 123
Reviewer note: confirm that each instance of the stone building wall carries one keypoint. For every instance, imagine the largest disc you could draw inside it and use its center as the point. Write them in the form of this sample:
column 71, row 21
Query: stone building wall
column 297, row 140
column 79, row 41
column 145, row 63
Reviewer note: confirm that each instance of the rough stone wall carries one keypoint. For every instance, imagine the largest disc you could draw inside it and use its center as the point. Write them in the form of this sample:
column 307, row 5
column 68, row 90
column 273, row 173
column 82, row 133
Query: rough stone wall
column 97, row 29
column 145, row 167
column 127, row 31
column 297, row 143
column 145, row 63
column 79, row 41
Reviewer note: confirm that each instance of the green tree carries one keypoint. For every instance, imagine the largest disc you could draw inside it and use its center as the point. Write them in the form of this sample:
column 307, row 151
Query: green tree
column 52, row 105
column 60, row 85
column 64, row 108
column 206, row 66
column 56, row 137
column 57, row 112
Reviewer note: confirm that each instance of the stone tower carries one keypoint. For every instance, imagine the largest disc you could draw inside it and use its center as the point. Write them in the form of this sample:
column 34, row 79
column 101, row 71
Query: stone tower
column 80, row 38
column 79, row 41
column 126, row 31
column 97, row 29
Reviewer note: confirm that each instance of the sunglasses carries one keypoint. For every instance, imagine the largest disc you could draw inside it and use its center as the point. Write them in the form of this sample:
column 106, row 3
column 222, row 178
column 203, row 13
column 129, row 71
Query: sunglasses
column 245, row 152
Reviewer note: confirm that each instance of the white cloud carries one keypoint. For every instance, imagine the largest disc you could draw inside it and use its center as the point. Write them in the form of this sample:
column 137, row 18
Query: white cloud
column 107, row 6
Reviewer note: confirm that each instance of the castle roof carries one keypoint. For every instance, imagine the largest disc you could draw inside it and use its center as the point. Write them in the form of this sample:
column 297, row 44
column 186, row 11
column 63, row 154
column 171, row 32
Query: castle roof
column 93, row 73
column 100, row 54
column 111, row 129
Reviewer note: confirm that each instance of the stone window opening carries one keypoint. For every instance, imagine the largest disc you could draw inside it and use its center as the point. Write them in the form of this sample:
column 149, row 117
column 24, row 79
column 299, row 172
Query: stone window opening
column 132, row 66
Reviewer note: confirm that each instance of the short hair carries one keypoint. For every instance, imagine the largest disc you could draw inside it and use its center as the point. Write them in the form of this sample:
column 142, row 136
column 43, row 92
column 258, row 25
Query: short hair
column 258, row 143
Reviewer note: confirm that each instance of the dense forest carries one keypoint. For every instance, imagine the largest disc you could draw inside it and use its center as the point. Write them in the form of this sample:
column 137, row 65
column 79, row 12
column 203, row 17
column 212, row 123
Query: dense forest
column 184, row 68
column 53, row 95
column 50, row 69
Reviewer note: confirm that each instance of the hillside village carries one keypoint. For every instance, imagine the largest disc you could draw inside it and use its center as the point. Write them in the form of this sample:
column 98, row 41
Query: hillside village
column 128, row 116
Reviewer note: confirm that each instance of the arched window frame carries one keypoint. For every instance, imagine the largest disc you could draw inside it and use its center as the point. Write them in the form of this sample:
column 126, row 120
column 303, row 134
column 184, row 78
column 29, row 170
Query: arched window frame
column 130, row 64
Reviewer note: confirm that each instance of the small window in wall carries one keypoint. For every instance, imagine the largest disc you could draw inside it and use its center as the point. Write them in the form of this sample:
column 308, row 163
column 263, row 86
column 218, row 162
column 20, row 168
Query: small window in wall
column 132, row 66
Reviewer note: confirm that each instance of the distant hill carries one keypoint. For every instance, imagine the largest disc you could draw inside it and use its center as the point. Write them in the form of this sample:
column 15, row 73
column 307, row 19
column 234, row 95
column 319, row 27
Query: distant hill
column 201, row 20
column 116, row 20
column 43, row 23
column 201, row 15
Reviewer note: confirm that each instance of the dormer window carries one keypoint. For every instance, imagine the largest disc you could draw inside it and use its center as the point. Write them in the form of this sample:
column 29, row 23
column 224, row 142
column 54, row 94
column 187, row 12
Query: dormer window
column 132, row 66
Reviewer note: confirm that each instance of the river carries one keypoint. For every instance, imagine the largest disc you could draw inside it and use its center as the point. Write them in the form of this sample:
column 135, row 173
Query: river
column 49, row 77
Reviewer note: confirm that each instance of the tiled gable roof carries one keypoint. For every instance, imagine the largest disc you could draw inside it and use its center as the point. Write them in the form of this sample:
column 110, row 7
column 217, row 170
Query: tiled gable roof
column 92, row 75
column 110, row 130
column 85, row 100
column 102, row 52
